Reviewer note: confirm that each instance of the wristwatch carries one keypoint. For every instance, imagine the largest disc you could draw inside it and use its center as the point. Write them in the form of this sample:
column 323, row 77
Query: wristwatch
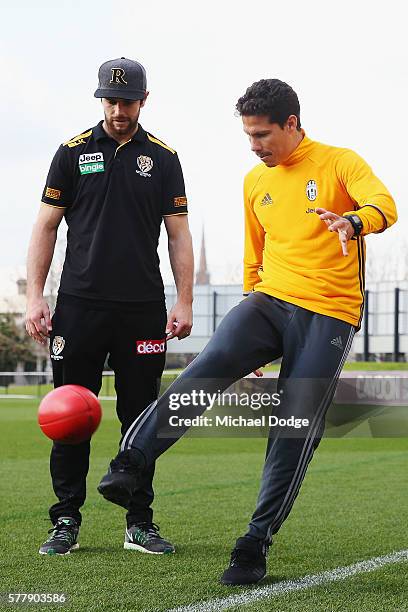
column 356, row 222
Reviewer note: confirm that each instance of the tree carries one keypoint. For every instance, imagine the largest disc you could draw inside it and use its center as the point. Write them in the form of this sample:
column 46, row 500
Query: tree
column 14, row 346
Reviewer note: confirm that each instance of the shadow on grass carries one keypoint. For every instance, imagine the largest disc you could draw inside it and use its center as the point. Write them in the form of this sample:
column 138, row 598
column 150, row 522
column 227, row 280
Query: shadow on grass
column 274, row 579
column 198, row 549
column 119, row 551
column 98, row 549
column 268, row 580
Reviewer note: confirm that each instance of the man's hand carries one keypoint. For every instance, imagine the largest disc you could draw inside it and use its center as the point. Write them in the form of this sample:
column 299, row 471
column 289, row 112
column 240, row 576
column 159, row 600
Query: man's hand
column 336, row 223
column 38, row 320
column 179, row 321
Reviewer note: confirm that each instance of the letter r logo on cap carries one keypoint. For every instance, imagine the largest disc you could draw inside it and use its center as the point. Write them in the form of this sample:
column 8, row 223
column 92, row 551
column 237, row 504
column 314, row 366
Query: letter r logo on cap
column 117, row 76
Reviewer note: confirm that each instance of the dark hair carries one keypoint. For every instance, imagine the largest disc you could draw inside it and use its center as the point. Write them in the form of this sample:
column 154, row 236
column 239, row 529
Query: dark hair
column 270, row 97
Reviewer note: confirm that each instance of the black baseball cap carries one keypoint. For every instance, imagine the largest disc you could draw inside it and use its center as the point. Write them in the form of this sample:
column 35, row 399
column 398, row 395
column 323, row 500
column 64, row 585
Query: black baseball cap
column 121, row 78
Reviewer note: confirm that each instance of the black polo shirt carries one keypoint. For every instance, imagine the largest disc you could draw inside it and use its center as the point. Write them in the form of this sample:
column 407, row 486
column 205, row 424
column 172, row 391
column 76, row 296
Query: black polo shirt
column 114, row 197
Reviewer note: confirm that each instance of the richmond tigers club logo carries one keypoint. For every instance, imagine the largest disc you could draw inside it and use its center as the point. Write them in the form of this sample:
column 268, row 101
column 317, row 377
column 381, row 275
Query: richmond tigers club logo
column 57, row 347
column 145, row 163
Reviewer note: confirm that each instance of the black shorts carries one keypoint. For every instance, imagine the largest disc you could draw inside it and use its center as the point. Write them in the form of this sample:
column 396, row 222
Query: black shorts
column 88, row 335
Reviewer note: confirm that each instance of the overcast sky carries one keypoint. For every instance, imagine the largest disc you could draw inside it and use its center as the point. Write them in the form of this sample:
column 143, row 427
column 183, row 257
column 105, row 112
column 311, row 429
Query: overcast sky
column 347, row 61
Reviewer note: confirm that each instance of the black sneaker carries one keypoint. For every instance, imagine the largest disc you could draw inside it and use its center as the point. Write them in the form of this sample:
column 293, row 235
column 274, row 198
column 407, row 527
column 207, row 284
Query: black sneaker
column 146, row 538
column 63, row 537
column 248, row 562
column 121, row 480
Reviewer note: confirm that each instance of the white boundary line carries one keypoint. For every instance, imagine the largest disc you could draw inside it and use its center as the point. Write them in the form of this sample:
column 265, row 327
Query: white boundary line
column 282, row 588
column 11, row 396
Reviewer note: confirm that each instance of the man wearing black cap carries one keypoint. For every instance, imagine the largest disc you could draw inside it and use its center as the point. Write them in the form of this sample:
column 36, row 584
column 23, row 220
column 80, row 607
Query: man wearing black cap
column 113, row 184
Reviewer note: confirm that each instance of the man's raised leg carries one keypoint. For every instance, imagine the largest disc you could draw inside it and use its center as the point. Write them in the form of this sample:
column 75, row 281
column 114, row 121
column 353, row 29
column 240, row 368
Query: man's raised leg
column 247, row 338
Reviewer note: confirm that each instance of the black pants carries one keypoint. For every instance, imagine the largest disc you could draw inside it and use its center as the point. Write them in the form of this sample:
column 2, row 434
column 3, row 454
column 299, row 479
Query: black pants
column 260, row 329
column 91, row 330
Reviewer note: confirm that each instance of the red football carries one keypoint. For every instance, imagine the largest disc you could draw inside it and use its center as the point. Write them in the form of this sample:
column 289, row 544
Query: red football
column 69, row 414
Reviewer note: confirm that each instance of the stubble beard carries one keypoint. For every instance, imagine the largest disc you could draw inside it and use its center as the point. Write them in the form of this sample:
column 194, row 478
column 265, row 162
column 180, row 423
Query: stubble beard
column 127, row 128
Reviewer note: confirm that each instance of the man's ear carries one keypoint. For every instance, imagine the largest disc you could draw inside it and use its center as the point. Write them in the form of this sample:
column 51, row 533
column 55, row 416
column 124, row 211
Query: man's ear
column 291, row 122
column 143, row 102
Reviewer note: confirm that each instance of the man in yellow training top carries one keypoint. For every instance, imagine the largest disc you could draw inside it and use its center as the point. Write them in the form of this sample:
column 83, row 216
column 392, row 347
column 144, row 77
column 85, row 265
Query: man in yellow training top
column 308, row 207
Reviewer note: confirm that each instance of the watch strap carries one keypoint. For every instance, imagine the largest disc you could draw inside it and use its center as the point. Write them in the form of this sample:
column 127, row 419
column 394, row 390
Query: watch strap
column 356, row 222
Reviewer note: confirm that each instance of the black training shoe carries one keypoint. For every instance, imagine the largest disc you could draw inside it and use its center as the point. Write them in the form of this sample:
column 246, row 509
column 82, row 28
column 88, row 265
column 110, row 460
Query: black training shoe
column 121, row 480
column 146, row 538
column 248, row 562
column 63, row 537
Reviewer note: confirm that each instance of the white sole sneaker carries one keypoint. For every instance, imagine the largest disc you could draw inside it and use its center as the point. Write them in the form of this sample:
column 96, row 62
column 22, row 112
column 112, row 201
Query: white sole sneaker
column 130, row 546
column 51, row 554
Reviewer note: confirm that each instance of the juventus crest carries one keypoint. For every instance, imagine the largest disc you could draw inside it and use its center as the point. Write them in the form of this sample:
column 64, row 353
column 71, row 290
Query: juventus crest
column 311, row 190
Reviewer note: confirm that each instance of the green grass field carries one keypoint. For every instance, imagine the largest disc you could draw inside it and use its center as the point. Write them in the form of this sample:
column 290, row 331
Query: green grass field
column 353, row 506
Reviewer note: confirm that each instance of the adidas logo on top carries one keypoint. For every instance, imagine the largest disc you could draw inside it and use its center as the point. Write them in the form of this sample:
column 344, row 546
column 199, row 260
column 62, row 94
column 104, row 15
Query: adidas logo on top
column 266, row 200
column 338, row 342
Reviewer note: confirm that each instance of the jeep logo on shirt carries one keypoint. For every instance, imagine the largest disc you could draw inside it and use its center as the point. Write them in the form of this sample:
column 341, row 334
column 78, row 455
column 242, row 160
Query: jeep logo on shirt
column 89, row 163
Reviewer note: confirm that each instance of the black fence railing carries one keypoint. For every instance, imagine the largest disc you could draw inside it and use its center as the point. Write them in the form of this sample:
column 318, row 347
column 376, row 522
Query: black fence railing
column 385, row 314
column 385, row 317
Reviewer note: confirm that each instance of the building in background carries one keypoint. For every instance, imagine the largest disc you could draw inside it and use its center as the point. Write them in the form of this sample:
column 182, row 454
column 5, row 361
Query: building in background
column 202, row 276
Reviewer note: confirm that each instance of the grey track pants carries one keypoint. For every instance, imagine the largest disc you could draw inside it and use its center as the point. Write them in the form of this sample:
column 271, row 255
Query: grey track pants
column 260, row 329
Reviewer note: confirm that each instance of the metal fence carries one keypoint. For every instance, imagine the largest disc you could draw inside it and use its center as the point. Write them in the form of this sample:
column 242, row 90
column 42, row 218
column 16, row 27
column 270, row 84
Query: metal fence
column 34, row 385
column 383, row 334
column 385, row 324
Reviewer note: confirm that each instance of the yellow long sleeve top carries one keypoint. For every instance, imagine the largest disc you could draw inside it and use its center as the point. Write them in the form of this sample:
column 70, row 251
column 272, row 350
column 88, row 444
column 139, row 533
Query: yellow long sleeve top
column 289, row 253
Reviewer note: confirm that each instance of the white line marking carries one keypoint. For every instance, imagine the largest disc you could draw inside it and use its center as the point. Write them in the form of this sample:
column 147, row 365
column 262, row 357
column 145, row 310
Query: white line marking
column 11, row 396
column 282, row 588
